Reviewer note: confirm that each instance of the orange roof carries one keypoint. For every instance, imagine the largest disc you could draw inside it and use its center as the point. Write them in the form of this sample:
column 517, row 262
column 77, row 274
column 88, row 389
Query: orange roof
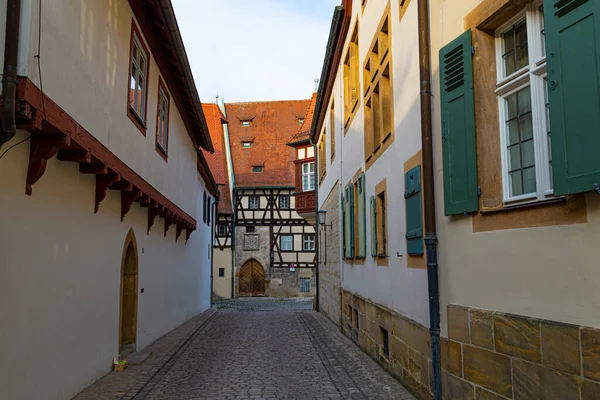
column 272, row 123
column 217, row 161
column 303, row 133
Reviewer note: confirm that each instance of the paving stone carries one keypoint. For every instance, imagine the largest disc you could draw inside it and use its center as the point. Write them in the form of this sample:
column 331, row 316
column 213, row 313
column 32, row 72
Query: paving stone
column 254, row 349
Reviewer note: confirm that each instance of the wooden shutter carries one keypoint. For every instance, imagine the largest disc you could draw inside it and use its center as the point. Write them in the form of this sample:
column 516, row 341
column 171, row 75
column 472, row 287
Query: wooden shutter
column 414, row 215
column 351, row 205
column 362, row 222
column 349, row 231
column 573, row 51
column 344, row 226
column 458, row 126
column 373, row 226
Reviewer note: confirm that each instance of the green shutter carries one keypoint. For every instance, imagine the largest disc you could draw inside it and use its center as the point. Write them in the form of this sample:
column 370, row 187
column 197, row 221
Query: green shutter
column 573, row 54
column 362, row 222
column 458, row 126
column 347, row 223
column 351, row 204
column 373, row 226
column 414, row 215
column 344, row 228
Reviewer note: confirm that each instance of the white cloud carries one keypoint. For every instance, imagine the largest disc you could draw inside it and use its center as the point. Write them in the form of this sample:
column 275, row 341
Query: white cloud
column 247, row 50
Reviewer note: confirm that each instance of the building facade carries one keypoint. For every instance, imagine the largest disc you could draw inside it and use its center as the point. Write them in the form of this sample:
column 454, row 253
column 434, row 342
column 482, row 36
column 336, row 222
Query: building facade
column 105, row 195
column 515, row 201
column 274, row 246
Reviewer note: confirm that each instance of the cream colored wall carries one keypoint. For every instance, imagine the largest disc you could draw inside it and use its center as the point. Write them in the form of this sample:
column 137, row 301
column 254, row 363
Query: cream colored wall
column 85, row 69
column 548, row 272
column 222, row 259
column 395, row 286
column 60, row 267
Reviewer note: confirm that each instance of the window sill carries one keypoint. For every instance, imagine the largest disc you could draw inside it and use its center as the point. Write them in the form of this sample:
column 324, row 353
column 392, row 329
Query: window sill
column 533, row 204
column 137, row 121
column 161, row 152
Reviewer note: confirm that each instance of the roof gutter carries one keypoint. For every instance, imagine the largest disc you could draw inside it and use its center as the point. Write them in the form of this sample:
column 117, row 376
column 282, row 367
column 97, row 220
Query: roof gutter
column 169, row 14
column 339, row 29
column 9, row 77
column 429, row 195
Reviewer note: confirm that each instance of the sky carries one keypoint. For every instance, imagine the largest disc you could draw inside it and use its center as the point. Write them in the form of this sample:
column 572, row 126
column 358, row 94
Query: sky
column 250, row 50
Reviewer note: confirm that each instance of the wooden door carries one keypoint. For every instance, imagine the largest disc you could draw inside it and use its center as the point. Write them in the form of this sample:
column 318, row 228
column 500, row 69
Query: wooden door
column 252, row 279
column 129, row 284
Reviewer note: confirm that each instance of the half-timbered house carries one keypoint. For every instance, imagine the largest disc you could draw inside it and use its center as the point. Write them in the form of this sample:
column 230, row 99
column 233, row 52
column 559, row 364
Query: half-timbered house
column 274, row 246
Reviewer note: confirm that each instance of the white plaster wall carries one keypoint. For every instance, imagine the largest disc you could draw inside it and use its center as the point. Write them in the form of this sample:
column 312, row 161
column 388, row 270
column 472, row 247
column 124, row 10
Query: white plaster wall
column 396, row 286
column 222, row 259
column 60, row 267
column 85, row 69
column 548, row 272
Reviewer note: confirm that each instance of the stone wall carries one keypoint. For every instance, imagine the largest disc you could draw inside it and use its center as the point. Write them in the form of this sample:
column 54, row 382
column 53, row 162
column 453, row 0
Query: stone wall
column 409, row 356
column 493, row 355
column 285, row 283
column 329, row 273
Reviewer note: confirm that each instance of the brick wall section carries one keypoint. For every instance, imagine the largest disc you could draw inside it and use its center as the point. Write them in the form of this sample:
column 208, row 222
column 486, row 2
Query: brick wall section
column 329, row 273
column 409, row 342
column 493, row 355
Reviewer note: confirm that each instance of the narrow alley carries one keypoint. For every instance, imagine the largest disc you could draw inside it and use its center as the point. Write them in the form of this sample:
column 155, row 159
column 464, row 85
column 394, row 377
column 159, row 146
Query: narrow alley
column 258, row 348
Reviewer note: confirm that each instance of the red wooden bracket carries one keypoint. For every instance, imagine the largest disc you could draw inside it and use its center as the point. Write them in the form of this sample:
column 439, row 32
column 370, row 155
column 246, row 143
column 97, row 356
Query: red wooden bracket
column 42, row 148
column 80, row 156
column 188, row 233
column 168, row 222
column 93, row 169
column 102, row 184
column 152, row 214
column 127, row 199
column 179, row 228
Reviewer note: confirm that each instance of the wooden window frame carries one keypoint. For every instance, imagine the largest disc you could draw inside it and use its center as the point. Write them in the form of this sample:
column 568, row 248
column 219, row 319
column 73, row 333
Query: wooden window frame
column 309, row 174
column 351, row 72
column 304, row 241
column 378, row 92
column 382, row 225
column 288, row 199
column 332, row 131
column 403, row 6
column 250, row 198
column 162, row 89
column 138, row 120
column 322, row 157
column 219, row 233
column 532, row 76
column 281, row 243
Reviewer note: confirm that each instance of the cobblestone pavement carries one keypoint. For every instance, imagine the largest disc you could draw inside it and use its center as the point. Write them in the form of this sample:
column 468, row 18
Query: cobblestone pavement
column 265, row 304
column 262, row 354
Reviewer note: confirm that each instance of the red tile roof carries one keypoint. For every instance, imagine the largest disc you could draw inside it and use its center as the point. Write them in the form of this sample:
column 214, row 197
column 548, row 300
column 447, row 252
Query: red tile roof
column 303, row 134
column 272, row 123
column 217, row 161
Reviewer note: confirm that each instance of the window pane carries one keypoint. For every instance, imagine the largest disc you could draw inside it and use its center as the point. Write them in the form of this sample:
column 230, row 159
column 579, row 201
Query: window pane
column 524, row 100
column 521, row 45
column 516, row 52
column 514, row 158
column 310, row 152
column 509, row 54
column 543, row 31
column 526, row 127
column 513, row 131
column 511, row 103
column 528, row 155
column 301, row 153
column 547, row 107
column 516, row 183
column 529, row 180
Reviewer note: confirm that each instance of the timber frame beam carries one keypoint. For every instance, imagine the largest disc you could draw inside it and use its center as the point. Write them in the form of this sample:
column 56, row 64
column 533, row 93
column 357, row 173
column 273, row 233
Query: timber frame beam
column 59, row 134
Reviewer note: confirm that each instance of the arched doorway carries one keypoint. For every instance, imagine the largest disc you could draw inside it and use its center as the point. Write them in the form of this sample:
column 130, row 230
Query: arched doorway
column 129, row 297
column 252, row 279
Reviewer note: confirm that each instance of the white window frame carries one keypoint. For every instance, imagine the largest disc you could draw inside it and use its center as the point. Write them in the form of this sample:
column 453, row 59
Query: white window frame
column 290, row 242
column 532, row 75
column 308, row 242
column 307, row 173
column 163, row 120
column 287, row 201
column 246, row 145
column 251, row 204
column 136, row 73
column 221, row 229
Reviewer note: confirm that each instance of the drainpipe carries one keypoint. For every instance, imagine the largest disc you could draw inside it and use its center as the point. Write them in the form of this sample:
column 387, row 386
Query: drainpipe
column 212, row 249
column 233, row 224
column 317, row 229
column 9, row 77
column 428, row 187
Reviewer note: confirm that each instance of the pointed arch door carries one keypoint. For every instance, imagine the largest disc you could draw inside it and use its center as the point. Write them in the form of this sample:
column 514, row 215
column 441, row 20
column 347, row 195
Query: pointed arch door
column 252, row 279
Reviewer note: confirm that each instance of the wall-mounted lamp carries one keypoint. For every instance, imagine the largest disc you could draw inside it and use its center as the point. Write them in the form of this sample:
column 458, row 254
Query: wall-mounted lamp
column 322, row 217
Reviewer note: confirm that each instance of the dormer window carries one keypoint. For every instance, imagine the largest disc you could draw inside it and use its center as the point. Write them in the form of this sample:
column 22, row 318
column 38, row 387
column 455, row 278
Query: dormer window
column 300, row 121
column 245, row 123
column 246, row 145
column 257, row 169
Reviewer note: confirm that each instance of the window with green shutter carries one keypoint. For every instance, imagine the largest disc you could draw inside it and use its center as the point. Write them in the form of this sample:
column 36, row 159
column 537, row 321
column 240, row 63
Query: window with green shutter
column 414, row 214
column 373, row 227
column 351, row 206
column 573, row 51
column 361, row 224
column 458, row 126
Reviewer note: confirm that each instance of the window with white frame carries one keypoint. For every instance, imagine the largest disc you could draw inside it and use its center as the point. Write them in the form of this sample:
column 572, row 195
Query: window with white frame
column 138, row 80
column 308, row 242
column 221, row 230
column 254, row 202
column 284, row 201
column 162, row 136
column 522, row 100
column 286, row 242
column 308, row 176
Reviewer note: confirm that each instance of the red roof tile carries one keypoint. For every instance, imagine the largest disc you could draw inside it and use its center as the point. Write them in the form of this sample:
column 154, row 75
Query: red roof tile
column 217, row 161
column 303, row 133
column 272, row 123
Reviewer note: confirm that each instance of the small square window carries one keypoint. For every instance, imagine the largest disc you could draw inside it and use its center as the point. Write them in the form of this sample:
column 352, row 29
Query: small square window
column 355, row 318
column 304, row 285
column 257, row 169
column 221, row 230
column 300, row 121
column 246, row 145
column 308, row 242
column 284, row 202
column 385, row 343
column 250, row 229
column 245, row 123
column 287, row 242
column 221, row 272
column 254, row 202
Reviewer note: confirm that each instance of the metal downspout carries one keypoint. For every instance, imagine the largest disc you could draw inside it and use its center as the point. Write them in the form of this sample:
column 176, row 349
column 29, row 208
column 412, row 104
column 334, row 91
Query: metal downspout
column 233, row 224
column 429, row 196
column 318, row 231
column 9, row 77
column 212, row 249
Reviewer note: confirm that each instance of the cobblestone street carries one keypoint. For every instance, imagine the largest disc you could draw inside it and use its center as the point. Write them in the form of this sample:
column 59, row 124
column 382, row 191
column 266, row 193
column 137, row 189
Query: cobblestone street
column 253, row 349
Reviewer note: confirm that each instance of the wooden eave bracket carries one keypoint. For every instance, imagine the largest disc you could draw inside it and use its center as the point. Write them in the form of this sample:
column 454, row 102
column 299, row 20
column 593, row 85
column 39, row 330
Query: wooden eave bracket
column 168, row 222
column 42, row 148
column 179, row 228
column 152, row 214
column 127, row 198
column 188, row 233
column 103, row 182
